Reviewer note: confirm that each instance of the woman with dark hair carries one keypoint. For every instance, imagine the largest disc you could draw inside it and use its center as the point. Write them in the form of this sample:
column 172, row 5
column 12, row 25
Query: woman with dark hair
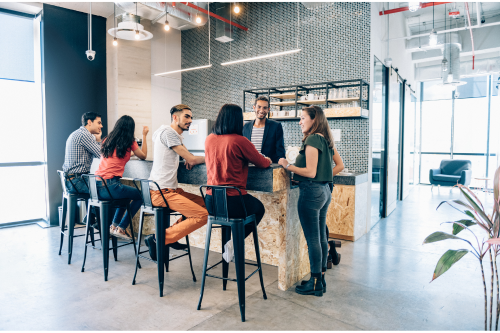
column 115, row 153
column 314, row 170
column 227, row 154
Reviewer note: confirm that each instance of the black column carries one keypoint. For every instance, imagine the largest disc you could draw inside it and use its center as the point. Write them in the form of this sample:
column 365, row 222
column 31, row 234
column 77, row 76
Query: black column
column 72, row 84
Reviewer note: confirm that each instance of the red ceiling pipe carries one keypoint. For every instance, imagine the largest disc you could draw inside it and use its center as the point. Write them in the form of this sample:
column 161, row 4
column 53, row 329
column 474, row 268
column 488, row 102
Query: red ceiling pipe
column 404, row 9
column 214, row 15
column 471, row 37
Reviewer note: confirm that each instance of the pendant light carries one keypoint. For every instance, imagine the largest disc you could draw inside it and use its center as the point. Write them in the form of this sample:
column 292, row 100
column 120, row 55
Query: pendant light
column 199, row 67
column 137, row 36
column 413, row 6
column 264, row 56
column 444, row 63
column 433, row 37
column 236, row 8
column 115, row 40
column 167, row 26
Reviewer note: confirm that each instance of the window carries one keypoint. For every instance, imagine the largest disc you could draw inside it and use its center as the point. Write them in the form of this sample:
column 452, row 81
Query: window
column 22, row 165
column 456, row 126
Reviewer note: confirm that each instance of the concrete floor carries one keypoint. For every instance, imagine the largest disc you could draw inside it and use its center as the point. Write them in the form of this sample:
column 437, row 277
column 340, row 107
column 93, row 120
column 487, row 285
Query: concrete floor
column 382, row 283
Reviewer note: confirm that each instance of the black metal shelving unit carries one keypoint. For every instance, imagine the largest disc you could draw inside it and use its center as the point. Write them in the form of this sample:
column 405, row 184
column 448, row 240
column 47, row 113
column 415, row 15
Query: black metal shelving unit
column 294, row 92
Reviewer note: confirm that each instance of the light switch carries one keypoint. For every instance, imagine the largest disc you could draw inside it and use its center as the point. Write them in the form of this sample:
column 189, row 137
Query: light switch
column 336, row 134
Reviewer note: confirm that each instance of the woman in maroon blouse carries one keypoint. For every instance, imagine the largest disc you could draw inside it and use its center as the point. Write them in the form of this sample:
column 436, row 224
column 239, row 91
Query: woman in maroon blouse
column 227, row 154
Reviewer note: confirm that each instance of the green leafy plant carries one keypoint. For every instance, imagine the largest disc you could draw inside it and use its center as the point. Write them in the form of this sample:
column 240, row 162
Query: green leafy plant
column 485, row 229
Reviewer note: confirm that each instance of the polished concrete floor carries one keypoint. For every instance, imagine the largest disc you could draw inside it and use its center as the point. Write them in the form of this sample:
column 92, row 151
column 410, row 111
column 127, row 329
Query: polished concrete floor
column 382, row 283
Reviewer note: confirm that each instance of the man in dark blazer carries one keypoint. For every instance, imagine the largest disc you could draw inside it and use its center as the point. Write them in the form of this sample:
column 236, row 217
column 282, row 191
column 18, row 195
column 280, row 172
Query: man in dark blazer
column 264, row 133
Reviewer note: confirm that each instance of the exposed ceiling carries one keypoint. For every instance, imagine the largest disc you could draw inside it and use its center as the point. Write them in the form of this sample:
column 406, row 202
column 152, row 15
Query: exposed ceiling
column 421, row 20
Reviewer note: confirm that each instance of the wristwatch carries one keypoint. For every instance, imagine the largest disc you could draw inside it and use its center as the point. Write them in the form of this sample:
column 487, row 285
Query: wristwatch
column 287, row 166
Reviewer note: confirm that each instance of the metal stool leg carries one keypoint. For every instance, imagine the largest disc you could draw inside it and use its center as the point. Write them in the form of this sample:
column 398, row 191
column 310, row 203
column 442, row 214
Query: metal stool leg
column 226, row 236
column 161, row 253
column 132, row 232
column 90, row 221
column 257, row 254
column 114, row 245
column 166, row 224
column 190, row 261
column 87, row 229
column 72, row 207
column 239, row 259
column 205, row 261
column 105, row 213
column 138, row 247
column 63, row 222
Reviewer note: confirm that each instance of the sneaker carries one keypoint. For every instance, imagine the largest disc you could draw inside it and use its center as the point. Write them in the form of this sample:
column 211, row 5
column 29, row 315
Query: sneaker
column 228, row 254
column 151, row 244
column 119, row 232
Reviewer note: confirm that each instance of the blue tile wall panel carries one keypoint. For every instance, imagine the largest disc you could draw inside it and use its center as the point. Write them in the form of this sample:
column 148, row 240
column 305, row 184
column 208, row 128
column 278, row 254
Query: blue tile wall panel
column 335, row 43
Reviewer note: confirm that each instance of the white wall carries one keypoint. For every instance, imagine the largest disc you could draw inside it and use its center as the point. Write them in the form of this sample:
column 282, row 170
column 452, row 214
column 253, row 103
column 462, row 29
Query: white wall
column 165, row 56
column 132, row 87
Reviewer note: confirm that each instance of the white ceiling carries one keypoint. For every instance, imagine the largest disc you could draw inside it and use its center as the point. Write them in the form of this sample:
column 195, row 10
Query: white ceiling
column 104, row 9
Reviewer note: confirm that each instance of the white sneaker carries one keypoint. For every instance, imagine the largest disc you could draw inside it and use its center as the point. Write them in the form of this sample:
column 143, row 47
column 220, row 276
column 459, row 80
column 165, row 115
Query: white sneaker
column 228, row 254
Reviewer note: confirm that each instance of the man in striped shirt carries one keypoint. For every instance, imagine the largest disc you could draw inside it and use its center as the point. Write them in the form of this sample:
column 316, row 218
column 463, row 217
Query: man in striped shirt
column 81, row 147
column 265, row 134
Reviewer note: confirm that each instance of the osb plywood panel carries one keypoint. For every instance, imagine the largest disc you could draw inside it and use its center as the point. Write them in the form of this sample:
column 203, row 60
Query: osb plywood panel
column 341, row 213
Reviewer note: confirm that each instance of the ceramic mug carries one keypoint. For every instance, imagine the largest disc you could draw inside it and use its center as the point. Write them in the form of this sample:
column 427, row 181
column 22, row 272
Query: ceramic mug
column 310, row 97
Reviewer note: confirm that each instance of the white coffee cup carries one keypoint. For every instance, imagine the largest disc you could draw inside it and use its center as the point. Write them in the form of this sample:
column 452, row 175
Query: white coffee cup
column 310, row 97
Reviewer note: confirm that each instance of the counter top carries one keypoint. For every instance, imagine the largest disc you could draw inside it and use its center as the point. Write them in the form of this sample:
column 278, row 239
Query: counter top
column 258, row 179
column 354, row 179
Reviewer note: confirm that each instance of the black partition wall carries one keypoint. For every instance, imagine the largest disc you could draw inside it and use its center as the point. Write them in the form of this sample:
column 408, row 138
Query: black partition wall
column 73, row 84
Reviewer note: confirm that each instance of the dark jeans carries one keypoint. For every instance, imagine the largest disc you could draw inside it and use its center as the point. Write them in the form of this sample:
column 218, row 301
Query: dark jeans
column 314, row 199
column 235, row 210
column 120, row 191
column 80, row 186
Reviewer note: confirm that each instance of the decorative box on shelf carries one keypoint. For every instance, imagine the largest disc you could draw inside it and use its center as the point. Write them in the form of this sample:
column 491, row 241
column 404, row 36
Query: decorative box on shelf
column 248, row 115
column 346, row 112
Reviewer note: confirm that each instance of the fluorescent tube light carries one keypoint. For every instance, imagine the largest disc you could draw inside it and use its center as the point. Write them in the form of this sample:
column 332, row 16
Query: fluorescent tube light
column 261, row 57
column 184, row 70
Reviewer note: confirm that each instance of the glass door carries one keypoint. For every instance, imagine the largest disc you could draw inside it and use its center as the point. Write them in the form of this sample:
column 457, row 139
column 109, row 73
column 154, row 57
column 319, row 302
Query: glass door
column 393, row 142
column 408, row 143
column 377, row 115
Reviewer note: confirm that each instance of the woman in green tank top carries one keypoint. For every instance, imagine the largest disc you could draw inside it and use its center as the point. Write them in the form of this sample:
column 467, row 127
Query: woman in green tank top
column 314, row 170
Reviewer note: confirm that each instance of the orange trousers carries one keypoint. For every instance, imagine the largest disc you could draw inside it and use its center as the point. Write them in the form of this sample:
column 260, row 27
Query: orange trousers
column 189, row 205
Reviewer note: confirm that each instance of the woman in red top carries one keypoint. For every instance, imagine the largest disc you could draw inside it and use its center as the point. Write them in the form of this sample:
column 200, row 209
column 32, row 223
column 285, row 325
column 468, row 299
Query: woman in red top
column 227, row 154
column 115, row 153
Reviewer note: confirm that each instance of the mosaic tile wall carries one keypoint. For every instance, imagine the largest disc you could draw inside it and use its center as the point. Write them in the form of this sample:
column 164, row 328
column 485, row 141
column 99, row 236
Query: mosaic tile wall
column 335, row 43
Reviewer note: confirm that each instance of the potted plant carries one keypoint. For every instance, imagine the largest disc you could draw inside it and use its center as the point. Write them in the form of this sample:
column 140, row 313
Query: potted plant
column 486, row 231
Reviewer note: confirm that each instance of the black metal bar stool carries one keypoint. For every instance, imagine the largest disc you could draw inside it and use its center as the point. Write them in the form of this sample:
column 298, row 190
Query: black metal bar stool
column 236, row 227
column 70, row 203
column 162, row 221
column 106, row 211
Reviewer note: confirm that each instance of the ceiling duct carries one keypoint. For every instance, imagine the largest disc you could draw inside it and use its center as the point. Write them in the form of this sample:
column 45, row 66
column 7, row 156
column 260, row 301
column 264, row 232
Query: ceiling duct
column 180, row 16
column 481, row 67
column 422, row 43
column 224, row 31
column 452, row 52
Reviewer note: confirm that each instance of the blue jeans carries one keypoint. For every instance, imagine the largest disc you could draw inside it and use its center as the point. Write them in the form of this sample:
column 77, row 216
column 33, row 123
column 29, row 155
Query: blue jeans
column 314, row 199
column 120, row 191
column 80, row 186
